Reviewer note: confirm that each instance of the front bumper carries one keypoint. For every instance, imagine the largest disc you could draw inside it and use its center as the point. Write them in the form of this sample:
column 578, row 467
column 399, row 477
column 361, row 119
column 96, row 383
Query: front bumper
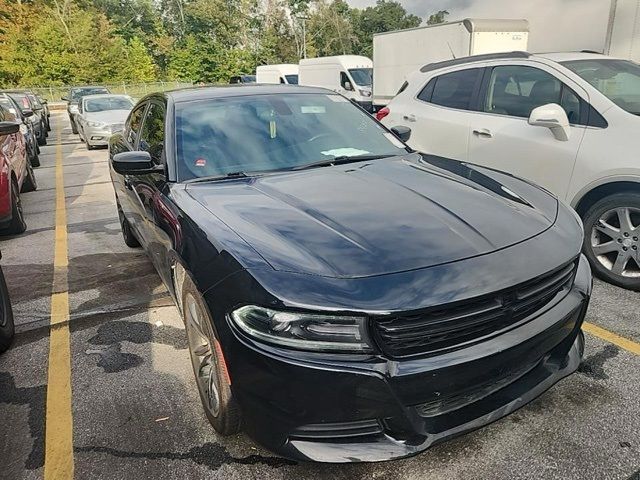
column 334, row 409
column 97, row 136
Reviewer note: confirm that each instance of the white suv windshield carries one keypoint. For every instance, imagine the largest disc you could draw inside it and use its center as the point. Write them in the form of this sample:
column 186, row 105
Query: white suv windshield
column 618, row 80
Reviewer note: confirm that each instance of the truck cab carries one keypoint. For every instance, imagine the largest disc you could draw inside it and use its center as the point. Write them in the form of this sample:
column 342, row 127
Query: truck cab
column 349, row 75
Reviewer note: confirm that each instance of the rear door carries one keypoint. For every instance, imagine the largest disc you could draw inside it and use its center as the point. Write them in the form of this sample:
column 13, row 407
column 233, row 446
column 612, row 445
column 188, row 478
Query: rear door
column 439, row 114
column 502, row 138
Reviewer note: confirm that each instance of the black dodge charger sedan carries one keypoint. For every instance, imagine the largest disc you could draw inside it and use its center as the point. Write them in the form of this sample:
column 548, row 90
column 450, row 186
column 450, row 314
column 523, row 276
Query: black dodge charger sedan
column 346, row 299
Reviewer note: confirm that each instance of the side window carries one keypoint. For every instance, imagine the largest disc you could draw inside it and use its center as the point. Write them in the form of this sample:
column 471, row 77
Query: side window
column 516, row 90
column 454, row 90
column 282, row 80
column 134, row 124
column 427, row 91
column 344, row 80
column 571, row 104
column 2, row 113
column 152, row 134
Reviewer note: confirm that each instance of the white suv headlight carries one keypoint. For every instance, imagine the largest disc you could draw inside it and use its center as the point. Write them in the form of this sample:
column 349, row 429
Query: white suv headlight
column 365, row 93
column 303, row 331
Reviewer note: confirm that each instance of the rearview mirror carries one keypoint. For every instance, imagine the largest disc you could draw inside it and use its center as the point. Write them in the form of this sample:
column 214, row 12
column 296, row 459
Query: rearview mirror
column 27, row 112
column 134, row 163
column 402, row 132
column 7, row 128
column 553, row 117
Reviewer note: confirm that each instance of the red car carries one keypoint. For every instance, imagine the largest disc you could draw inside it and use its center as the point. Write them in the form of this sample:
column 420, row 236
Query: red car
column 16, row 174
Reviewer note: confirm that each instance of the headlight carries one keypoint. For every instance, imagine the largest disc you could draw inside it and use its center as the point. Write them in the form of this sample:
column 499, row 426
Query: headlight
column 95, row 124
column 303, row 331
column 365, row 93
column 73, row 108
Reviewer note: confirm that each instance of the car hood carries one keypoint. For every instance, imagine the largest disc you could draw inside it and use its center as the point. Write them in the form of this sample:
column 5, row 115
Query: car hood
column 108, row 116
column 378, row 217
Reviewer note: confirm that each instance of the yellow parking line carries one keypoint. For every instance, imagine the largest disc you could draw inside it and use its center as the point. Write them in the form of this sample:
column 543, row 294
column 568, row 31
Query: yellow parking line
column 611, row 337
column 58, row 460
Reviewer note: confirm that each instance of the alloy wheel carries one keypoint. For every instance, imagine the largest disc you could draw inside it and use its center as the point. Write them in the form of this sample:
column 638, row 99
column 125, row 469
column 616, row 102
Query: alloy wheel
column 203, row 355
column 615, row 241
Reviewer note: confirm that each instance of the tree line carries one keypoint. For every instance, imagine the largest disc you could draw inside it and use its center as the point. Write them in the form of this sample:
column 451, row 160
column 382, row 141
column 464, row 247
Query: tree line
column 65, row 42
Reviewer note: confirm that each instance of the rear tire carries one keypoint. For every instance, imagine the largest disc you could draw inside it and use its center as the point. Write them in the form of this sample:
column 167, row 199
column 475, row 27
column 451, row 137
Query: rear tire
column 17, row 224
column 130, row 239
column 29, row 184
column 612, row 239
column 34, row 160
column 7, row 328
column 209, row 367
column 42, row 141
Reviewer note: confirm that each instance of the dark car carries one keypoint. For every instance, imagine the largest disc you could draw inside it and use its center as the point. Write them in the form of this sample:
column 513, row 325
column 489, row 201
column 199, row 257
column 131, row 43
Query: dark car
column 26, row 127
column 40, row 109
column 16, row 174
column 26, row 104
column 242, row 79
column 73, row 98
column 345, row 298
column 45, row 105
column 7, row 328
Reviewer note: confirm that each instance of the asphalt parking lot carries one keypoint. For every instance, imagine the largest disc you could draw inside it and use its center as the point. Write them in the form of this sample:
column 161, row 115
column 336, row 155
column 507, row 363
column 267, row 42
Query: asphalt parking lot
column 134, row 411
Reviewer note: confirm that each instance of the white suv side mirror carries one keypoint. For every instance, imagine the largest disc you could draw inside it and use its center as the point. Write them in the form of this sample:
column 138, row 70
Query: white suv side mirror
column 553, row 117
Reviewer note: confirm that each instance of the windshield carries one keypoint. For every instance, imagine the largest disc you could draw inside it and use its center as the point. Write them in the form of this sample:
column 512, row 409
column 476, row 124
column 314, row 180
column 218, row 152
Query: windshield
column 36, row 103
column 262, row 133
column 362, row 76
column 21, row 99
column 76, row 93
column 292, row 79
column 107, row 103
column 618, row 80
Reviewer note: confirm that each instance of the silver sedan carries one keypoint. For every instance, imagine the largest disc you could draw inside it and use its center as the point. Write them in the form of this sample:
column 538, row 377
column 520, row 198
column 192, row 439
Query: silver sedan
column 100, row 116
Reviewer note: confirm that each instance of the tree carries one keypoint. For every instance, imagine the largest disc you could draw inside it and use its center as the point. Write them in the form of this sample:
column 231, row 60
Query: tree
column 139, row 64
column 385, row 16
column 330, row 30
column 438, row 17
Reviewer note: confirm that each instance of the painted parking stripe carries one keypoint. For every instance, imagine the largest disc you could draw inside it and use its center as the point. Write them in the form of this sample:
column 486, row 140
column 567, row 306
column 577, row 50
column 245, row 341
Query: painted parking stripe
column 606, row 335
column 58, row 460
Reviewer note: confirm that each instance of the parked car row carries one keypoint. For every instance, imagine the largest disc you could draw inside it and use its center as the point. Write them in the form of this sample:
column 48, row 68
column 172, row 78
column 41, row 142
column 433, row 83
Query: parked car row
column 345, row 297
column 95, row 114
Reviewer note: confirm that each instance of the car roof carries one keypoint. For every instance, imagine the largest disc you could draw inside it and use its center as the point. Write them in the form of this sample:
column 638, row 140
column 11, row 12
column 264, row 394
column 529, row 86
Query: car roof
column 569, row 56
column 238, row 90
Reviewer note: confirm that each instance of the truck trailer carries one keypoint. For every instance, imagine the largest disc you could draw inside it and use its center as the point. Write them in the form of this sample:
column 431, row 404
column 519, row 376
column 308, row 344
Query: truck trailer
column 396, row 54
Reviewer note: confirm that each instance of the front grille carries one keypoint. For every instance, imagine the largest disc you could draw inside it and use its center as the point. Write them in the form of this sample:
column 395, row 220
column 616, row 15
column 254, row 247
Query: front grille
column 456, row 325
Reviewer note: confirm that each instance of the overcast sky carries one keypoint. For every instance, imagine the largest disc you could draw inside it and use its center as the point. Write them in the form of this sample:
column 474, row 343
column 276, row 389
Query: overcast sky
column 554, row 24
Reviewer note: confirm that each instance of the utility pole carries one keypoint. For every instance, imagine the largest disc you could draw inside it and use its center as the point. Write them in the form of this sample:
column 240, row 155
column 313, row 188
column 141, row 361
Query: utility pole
column 304, row 36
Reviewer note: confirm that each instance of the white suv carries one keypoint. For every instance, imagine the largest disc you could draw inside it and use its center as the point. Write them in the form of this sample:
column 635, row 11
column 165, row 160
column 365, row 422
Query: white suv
column 566, row 121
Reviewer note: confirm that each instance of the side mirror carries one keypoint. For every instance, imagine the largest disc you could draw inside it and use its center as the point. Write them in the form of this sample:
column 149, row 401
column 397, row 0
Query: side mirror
column 7, row 128
column 134, row 163
column 553, row 117
column 27, row 112
column 402, row 132
column 348, row 86
column 65, row 98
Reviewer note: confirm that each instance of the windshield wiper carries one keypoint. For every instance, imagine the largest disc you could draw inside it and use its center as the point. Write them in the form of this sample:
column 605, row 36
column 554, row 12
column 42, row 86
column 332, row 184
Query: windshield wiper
column 341, row 160
column 213, row 178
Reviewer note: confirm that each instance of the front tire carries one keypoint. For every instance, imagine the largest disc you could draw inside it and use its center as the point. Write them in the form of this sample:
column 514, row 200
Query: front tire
column 7, row 328
column 42, row 141
column 29, row 184
column 74, row 128
column 17, row 224
column 612, row 239
column 209, row 367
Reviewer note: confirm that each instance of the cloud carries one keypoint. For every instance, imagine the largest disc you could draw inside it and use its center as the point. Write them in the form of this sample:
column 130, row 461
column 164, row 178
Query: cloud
column 554, row 24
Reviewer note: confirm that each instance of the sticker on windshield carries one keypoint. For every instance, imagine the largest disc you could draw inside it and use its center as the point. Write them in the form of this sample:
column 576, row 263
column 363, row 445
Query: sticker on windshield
column 345, row 152
column 313, row 109
column 393, row 139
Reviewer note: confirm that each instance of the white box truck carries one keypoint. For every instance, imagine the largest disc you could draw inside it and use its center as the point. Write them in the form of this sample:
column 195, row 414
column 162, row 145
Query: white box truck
column 349, row 75
column 286, row 73
column 396, row 54
column 623, row 39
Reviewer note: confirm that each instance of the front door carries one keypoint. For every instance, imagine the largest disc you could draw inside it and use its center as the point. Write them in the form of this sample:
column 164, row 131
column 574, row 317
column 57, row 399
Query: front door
column 501, row 137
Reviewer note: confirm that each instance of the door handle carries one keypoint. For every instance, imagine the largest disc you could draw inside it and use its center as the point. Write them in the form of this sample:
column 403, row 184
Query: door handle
column 483, row 132
column 409, row 118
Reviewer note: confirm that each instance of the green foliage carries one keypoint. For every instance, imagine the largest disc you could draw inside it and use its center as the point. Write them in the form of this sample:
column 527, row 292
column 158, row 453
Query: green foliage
column 60, row 42
column 438, row 17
